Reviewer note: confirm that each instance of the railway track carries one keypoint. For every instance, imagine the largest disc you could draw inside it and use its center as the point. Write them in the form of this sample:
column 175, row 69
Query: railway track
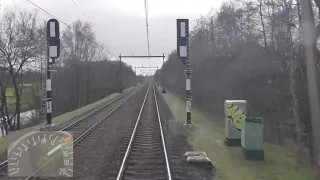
column 82, row 126
column 146, row 155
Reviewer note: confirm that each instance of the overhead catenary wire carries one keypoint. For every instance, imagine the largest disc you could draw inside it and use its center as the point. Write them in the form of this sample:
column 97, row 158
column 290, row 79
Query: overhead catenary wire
column 147, row 26
column 74, row 2
column 85, row 8
column 78, row 7
column 70, row 27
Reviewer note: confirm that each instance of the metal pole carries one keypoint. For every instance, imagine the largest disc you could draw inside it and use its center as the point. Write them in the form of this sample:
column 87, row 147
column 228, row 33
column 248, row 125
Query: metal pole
column 183, row 53
column 48, row 87
column 120, row 74
column 49, row 93
column 43, row 109
column 53, row 51
column 163, row 59
column 309, row 36
column 188, row 83
column 188, row 90
column 163, row 89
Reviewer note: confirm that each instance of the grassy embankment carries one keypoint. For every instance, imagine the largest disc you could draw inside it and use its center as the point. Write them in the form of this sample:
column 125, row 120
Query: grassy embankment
column 4, row 142
column 206, row 134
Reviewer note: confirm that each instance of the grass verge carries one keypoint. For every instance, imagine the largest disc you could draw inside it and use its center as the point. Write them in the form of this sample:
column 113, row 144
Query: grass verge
column 206, row 134
column 4, row 142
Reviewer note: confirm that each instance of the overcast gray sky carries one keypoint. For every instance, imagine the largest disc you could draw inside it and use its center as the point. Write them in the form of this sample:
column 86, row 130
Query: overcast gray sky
column 120, row 24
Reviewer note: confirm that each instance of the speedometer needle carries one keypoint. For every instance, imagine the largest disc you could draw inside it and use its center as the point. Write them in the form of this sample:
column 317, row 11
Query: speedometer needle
column 59, row 146
column 54, row 149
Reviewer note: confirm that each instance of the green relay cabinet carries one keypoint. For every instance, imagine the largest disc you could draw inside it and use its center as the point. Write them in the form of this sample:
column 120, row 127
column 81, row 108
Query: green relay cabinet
column 235, row 113
column 252, row 138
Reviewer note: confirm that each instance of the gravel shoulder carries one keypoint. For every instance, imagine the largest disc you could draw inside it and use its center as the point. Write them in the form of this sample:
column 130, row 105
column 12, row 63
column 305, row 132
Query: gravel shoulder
column 176, row 138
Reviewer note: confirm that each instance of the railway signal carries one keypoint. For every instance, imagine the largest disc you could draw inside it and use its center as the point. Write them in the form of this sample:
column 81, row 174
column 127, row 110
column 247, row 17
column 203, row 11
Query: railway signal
column 183, row 39
column 183, row 53
column 53, row 52
column 53, row 40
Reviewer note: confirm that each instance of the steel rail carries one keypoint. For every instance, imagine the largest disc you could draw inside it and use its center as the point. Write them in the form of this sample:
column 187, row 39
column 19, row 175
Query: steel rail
column 126, row 156
column 162, row 136
column 122, row 167
column 83, row 135
column 4, row 164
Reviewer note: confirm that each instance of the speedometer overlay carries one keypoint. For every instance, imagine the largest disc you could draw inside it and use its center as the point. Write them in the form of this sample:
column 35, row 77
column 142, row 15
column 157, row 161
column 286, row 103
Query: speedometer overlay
column 41, row 154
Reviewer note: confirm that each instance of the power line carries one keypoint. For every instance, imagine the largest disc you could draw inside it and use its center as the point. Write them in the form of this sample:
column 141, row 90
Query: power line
column 77, row 6
column 147, row 25
column 70, row 27
column 85, row 8
column 82, row 11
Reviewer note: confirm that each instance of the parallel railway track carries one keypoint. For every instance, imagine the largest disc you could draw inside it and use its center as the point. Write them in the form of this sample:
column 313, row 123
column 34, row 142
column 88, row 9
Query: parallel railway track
column 83, row 126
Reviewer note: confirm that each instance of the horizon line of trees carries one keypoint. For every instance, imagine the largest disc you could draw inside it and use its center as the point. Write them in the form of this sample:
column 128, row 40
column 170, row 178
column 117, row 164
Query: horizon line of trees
column 83, row 73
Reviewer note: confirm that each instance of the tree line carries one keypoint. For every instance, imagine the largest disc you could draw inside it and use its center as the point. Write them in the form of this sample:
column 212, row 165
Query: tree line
column 83, row 74
column 253, row 50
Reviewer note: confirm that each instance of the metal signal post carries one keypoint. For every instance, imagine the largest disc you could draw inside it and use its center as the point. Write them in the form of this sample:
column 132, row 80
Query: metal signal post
column 120, row 75
column 53, row 51
column 163, row 89
column 183, row 53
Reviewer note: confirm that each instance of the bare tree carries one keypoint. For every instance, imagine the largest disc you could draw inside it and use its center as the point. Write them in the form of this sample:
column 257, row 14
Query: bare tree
column 253, row 50
column 84, row 75
column 80, row 46
column 4, row 80
column 18, row 46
